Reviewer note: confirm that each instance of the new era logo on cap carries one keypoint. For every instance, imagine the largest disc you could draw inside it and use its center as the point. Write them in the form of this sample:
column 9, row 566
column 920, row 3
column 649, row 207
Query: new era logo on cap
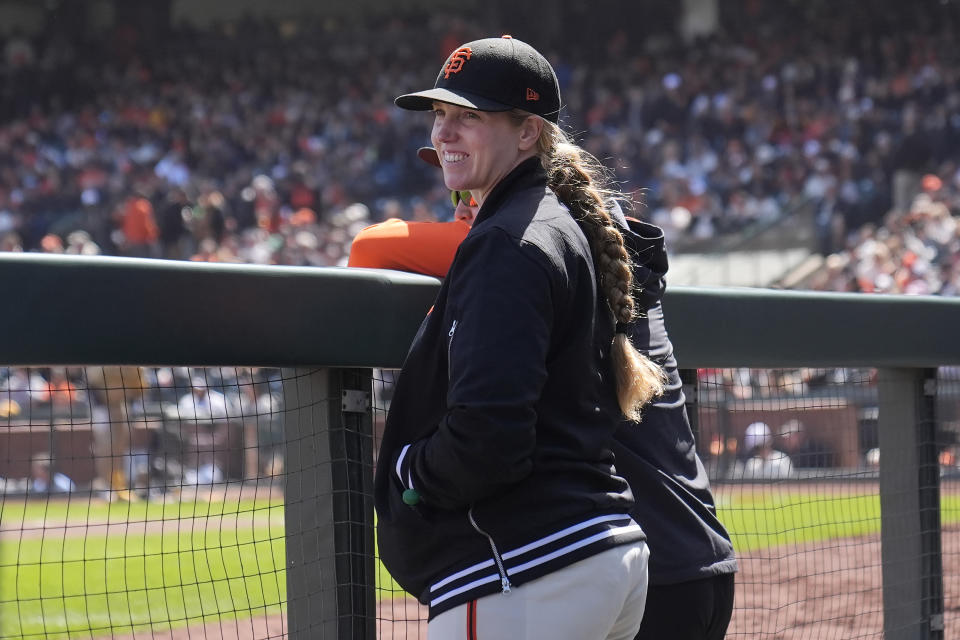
column 532, row 95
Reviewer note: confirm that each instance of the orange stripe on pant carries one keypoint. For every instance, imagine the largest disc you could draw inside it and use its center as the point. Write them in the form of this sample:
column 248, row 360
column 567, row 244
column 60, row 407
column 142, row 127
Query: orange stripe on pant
column 472, row 620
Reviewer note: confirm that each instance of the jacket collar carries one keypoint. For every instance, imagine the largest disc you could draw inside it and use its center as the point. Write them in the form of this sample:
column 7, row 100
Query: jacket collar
column 528, row 173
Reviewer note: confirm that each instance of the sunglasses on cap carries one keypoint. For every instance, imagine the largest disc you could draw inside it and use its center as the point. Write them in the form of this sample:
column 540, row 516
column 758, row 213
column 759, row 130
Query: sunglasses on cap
column 457, row 196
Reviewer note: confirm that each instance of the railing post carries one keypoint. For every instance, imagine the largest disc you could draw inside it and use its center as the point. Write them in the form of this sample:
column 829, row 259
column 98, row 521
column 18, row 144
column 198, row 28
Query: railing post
column 328, row 504
column 351, row 447
column 910, row 505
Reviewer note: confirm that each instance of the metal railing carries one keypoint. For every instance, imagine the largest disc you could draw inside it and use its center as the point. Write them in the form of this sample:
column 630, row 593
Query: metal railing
column 329, row 327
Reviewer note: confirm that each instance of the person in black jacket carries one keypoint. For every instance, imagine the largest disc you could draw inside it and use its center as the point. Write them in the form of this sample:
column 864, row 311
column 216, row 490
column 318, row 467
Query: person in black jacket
column 692, row 561
column 497, row 499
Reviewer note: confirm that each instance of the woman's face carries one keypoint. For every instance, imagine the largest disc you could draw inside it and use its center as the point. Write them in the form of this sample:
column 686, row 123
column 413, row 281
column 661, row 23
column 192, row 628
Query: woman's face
column 478, row 148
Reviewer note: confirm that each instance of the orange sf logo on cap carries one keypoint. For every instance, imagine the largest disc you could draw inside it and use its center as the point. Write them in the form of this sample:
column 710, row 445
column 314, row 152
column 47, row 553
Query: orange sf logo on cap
column 457, row 58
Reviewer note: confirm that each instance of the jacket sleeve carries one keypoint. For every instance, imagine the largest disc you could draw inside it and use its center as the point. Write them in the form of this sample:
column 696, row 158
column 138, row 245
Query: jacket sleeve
column 420, row 247
column 499, row 319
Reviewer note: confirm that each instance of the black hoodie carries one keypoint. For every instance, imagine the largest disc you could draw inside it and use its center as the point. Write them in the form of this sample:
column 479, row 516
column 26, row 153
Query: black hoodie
column 658, row 456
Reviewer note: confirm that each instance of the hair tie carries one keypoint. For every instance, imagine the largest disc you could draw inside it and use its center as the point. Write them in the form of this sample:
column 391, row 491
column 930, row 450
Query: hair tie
column 621, row 328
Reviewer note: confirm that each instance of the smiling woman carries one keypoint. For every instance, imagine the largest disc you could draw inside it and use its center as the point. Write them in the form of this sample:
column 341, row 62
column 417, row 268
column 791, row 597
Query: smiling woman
column 495, row 473
column 478, row 149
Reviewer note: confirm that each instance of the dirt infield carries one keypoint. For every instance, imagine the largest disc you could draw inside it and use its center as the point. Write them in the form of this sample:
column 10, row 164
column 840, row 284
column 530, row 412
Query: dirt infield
column 826, row 591
column 401, row 619
column 810, row 591
column 397, row 619
column 259, row 628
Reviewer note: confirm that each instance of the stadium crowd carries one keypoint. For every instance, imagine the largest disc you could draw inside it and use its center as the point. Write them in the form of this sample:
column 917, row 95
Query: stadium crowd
column 275, row 142
column 916, row 251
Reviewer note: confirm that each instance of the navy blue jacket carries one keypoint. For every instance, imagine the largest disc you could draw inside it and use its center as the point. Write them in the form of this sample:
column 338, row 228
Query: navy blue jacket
column 674, row 503
column 503, row 416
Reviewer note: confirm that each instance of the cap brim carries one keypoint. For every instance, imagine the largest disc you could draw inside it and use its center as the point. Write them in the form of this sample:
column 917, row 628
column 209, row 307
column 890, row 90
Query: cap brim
column 423, row 100
column 429, row 155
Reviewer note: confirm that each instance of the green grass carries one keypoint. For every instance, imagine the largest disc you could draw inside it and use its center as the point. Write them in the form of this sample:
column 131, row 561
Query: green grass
column 770, row 520
column 122, row 583
column 60, row 587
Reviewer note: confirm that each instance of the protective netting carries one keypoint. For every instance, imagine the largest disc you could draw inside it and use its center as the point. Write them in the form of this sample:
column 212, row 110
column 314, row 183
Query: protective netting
column 793, row 460
column 399, row 616
column 151, row 501
column 141, row 502
column 793, row 457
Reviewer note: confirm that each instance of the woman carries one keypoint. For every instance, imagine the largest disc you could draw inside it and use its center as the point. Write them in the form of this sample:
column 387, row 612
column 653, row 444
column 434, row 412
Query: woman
column 497, row 500
column 690, row 594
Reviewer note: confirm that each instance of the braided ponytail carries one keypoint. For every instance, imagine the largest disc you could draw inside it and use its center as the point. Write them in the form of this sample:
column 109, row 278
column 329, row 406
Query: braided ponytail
column 578, row 180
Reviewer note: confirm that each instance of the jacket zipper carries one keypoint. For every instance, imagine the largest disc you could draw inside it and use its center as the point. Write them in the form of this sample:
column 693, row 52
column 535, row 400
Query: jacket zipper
column 453, row 329
column 504, row 579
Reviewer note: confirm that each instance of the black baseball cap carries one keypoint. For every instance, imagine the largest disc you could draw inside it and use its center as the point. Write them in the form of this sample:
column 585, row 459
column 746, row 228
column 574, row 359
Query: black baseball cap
column 493, row 74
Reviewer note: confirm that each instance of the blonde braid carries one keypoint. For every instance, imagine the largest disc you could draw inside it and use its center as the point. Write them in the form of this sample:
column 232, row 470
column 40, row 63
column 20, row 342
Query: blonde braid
column 577, row 178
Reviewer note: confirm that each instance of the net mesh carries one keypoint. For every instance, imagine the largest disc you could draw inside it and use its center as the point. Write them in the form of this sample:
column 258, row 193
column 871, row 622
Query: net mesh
column 793, row 465
column 793, row 457
column 150, row 501
column 399, row 616
column 141, row 500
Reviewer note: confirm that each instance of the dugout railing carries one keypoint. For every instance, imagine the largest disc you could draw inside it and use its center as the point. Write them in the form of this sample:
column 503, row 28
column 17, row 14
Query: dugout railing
column 329, row 330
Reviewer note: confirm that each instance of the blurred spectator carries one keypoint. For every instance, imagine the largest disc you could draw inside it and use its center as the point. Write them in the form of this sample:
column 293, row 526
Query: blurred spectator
column 872, row 458
column 115, row 390
column 80, row 243
column 43, row 479
column 139, row 234
column 763, row 461
column 62, row 391
column 206, row 409
column 911, row 158
column 171, row 223
column 830, row 221
column 262, row 424
column 202, row 403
